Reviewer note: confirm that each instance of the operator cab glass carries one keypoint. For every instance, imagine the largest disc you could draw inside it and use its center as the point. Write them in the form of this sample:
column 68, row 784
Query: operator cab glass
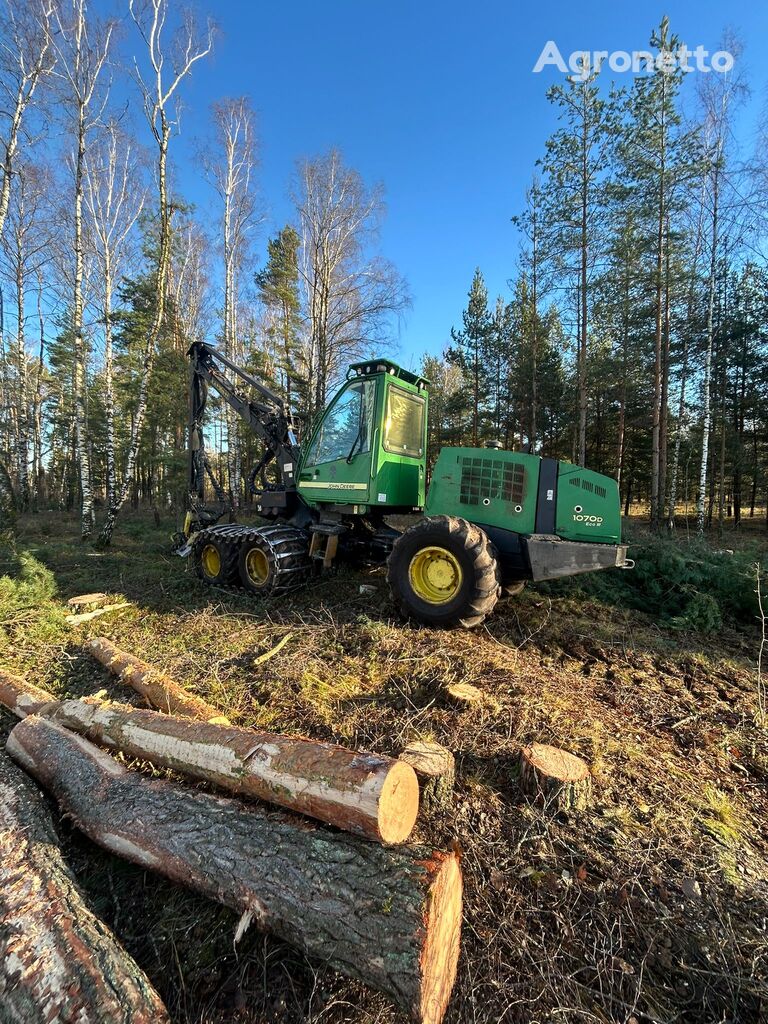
column 346, row 430
column 404, row 423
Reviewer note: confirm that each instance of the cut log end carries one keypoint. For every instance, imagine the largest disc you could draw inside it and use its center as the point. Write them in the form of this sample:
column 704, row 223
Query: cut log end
column 555, row 777
column 398, row 803
column 440, row 956
column 21, row 697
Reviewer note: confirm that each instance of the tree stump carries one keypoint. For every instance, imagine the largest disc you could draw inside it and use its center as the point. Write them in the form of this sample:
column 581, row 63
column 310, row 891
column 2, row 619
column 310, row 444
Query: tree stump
column 87, row 602
column 435, row 769
column 465, row 696
column 57, row 961
column 158, row 689
column 390, row 917
column 554, row 777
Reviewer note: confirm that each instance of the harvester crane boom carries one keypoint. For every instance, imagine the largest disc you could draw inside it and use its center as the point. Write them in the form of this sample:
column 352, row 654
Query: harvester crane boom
column 269, row 419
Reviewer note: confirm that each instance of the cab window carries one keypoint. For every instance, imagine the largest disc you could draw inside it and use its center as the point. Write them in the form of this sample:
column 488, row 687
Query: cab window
column 346, row 429
column 404, row 423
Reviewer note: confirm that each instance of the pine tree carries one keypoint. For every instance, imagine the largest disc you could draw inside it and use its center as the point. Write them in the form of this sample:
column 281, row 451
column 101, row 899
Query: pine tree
column 470, row 346
column 278, row 286
column 576, row 160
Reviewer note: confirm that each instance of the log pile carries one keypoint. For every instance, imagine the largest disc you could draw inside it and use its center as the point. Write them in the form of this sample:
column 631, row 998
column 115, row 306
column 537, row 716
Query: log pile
column 58, row 962
column 367, row 794
column 389, row 917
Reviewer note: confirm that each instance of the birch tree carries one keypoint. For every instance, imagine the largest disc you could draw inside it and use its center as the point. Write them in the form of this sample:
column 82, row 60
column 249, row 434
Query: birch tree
column 26, row 57
column 350, row 292
column 82, row 45
column 232, row 173
column 114, row 199
column 26, row 247
column 166, row 67
column 719, row 96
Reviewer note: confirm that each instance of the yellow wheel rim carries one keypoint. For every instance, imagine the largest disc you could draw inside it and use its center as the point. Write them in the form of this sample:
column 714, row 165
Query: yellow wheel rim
column 435, row 575
column 211, row 560
column 257, row 567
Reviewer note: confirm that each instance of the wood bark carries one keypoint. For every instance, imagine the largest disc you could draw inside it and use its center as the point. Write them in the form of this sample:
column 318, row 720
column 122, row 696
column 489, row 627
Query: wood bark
column 554, row 777
column 21, row 697
column 157, row 689
column 58, row 962
column 390, row 918
column 367, row 794
column 435, row 769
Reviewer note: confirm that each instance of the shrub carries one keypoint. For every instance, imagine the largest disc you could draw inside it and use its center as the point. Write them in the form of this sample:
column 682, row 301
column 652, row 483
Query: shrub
column 27, row 585
column 682, row 586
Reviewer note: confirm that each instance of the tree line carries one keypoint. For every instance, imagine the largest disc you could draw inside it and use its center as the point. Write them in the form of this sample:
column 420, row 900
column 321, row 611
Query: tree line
column 632, row 338
column 112, row 274
column 635, row 340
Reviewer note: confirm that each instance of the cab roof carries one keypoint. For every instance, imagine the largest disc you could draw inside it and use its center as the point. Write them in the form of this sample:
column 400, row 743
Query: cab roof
column 385, row 366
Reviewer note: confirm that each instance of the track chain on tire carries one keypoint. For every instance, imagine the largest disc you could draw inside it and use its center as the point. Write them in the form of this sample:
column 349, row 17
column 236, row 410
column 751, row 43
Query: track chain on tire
column 288, row 549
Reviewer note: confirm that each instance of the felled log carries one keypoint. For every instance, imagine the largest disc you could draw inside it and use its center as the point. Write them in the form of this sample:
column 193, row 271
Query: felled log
column 389, row 917
column 57, row 961
column 77, row 620
column 367, row 794
column 435, row 769
column 158, row 689
column 21, row 697
column 554, row 777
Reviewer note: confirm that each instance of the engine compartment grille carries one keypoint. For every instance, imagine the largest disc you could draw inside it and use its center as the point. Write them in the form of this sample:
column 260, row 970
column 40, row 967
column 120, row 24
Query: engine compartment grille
column 498, row 479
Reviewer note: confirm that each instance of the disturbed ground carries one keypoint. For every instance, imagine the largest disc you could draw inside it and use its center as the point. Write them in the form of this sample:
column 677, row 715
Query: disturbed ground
column 652, row 906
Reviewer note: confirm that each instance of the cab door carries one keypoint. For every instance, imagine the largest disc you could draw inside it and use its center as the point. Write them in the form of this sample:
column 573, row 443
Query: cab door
column 337, row 466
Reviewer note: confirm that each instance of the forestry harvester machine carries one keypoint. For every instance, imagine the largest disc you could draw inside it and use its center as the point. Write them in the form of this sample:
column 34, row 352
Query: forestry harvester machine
column 489, row 520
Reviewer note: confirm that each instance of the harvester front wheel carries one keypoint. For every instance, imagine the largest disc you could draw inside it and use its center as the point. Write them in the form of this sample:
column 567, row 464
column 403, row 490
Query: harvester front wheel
column 443, row 572
column 215, row 560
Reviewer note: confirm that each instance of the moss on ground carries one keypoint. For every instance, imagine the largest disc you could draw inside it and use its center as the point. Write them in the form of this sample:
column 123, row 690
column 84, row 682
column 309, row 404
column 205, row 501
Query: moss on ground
column 650, row 906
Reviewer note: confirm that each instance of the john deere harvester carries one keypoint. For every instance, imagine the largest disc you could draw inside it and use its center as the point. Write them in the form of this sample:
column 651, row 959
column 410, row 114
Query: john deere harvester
column 489, row 519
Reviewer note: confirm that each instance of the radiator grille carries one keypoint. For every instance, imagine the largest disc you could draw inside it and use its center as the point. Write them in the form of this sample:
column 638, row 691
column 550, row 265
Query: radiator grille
column 491, row 478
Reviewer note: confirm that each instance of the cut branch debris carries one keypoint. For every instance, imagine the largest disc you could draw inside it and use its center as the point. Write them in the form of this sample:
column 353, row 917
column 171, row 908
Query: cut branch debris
column 76, row 620
column 57, row 961
column 389, row 917
column 367, row 794
column 157, row 689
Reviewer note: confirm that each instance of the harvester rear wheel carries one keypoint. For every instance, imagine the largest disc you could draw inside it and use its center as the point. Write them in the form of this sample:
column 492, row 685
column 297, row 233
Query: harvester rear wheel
column 215, row 558
column 443, row 572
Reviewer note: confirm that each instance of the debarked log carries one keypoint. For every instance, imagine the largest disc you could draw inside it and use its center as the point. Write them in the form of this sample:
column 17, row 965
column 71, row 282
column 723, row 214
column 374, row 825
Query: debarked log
column 58, row 962
column 367, row 794
column 158, row 689
column 389, row 917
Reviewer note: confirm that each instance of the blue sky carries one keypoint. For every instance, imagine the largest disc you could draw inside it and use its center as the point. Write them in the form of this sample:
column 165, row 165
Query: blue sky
column 436, row 100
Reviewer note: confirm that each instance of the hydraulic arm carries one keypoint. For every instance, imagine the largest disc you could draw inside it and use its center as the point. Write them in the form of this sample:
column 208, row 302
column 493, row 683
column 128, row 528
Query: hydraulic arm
column 267, row 417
